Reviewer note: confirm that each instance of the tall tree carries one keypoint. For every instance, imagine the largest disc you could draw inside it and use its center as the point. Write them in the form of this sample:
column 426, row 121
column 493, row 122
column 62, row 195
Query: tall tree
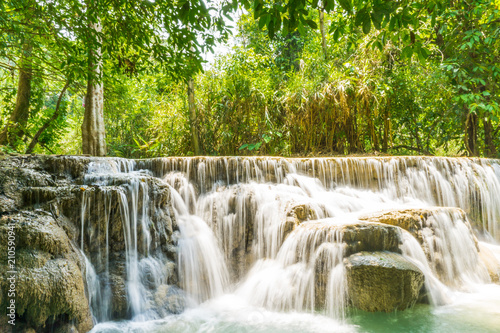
column 468, row 36
column 14, row 129
column 34, row 41
column 193, row 119
column 93, row 131
column 171, row 33
column 322, row 30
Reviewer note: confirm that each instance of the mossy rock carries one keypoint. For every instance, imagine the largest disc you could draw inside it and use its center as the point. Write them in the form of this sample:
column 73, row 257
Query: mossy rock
column 382, row 281
column 415, row 220
column 50, row 288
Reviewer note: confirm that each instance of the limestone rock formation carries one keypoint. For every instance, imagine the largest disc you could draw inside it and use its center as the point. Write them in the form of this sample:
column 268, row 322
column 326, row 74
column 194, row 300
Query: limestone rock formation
column 382, row 281
column 437, row 230
column 59, row 212
column 297, row 213
column 316, row 238
column 416, row 220
column 170, row 300
column 50, row 289
column 357, row 236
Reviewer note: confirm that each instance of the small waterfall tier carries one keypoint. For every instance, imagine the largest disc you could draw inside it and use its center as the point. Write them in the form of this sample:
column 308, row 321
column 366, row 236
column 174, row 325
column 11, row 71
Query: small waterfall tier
column 144, row 239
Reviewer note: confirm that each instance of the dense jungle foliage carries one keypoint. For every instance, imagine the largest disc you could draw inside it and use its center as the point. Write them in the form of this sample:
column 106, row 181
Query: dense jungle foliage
column 348, row 77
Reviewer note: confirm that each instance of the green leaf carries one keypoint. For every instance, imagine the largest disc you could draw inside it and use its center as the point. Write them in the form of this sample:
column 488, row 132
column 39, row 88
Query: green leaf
column 346, row 5
column 301, row 29
column 312, row 24
column 392, row 23
column 407, row 52
column 367, row 25
column 377, row 18
column 361, row 16
column 263, row 21
column 329, row 5
column 378, row 45
column 336, row 34
column 270, row 29
column 424, row 52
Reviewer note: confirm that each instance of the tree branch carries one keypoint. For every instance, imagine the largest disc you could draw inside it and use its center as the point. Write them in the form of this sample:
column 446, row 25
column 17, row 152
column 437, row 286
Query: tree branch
column 34, row 140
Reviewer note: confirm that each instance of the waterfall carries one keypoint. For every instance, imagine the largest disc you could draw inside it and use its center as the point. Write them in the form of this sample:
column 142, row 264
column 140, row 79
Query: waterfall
column 470, row 184
column 202, row 267
column 439, row 293
column 306, row 273
column 452, row 250
column 115, row 182
column 276, row 232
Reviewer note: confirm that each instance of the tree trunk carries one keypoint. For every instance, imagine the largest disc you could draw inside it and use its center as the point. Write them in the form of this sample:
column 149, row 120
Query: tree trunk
column 193, row 119
column 387, row 130
column 93, row 131
column 14, row 130
column 471, row 134
column 322, row 29
column 489, row 145
column 352, row 136
column 373, row 134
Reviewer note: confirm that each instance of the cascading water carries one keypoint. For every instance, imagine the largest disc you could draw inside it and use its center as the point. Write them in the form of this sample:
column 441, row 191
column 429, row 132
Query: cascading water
column 273, row 233
column 470, row 184
column 203, row 272
column 452, row 251
column 144, row 268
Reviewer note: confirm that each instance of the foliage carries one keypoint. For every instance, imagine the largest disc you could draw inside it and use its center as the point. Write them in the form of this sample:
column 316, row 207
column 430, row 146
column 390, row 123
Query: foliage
column 401, row 77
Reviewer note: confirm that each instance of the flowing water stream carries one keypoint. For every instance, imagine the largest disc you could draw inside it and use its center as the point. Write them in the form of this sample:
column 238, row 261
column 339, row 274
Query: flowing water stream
column 261, row 242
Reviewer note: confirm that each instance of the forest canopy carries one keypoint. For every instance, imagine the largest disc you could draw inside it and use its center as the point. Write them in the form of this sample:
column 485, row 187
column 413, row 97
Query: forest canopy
column 303, row 77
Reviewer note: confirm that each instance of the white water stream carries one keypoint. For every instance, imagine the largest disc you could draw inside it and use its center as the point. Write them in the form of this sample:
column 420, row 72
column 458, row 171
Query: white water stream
column 256, row 234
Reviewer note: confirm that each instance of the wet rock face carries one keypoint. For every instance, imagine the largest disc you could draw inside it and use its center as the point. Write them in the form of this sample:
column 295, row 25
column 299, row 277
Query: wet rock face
column 356, row 236
column 170, row 300
column 416, row 221
column 47, row 198
column 318, row 241
column 296, row 214
column 446, row 237
column 382, row 281
column 50, row 287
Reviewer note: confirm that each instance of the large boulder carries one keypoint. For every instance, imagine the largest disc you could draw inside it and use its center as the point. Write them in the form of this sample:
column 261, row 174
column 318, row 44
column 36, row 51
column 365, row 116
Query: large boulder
column 357, row 236
column 382, row 281
column 418, row 221
column 327, row 241
column 446, row 237
column 49, row 286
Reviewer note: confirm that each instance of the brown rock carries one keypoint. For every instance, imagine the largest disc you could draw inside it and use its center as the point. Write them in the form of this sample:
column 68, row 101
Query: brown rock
column 49, row 282
column 382, row 281
column 413, row 220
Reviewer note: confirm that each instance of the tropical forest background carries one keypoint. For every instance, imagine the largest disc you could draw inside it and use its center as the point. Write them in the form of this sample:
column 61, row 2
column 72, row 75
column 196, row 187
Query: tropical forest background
column 300, row 78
